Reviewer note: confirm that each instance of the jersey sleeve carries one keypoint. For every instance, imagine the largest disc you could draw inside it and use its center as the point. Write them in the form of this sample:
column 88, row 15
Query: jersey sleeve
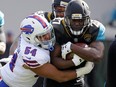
column 101, row 33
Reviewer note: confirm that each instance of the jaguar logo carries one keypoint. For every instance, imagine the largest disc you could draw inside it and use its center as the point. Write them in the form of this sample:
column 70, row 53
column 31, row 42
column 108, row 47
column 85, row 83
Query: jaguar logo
column 87, row 37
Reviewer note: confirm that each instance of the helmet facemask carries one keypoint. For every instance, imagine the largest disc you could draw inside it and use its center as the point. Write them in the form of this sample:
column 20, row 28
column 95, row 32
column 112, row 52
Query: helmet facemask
column 77, row 24
column 46, row 40
column 77, row 16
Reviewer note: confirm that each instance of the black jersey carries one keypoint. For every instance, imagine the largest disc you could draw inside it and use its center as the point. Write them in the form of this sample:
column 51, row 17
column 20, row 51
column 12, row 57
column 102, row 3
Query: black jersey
column 95, row 31
column 48, row 15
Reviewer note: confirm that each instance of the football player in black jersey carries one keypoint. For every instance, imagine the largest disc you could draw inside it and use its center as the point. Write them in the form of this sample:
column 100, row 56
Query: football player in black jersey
column 76, row 27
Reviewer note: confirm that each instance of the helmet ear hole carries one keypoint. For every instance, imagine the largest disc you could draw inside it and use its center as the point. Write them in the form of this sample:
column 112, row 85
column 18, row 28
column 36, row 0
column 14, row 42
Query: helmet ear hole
column 28, row 38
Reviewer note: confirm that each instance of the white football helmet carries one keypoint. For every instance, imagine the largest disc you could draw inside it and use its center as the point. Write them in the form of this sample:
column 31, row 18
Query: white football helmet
column 34, row 28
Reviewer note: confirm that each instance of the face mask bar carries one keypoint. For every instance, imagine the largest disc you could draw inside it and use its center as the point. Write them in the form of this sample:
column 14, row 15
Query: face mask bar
column 46, row 40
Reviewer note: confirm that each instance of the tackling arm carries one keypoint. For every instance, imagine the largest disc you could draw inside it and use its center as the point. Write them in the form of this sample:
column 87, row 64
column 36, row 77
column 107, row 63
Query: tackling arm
column 49, row 71
column 58, row 61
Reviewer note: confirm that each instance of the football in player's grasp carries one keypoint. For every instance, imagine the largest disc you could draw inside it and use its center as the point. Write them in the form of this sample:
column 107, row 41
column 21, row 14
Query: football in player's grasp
column 70, row 55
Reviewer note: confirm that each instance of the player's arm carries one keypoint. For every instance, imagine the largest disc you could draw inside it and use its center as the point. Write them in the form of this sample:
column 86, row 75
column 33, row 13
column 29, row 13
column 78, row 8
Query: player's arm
column 94, row 52
column 49, row 71
column 58, row 61
column 2, row 40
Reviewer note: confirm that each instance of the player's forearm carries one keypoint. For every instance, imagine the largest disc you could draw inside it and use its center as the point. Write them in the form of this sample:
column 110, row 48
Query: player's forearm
column 61, row 63
column 65, row 76
column 88, row 53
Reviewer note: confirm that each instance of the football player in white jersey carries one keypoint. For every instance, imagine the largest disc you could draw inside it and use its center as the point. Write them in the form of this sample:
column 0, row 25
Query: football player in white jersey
column 31, row 58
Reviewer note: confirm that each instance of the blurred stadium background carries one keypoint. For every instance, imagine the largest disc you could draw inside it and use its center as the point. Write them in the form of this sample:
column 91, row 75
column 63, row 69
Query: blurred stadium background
column 16, row 10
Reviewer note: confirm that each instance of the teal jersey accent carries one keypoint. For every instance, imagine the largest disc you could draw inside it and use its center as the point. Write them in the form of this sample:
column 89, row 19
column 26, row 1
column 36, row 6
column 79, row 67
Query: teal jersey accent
column 1, row 19
column 101, row 34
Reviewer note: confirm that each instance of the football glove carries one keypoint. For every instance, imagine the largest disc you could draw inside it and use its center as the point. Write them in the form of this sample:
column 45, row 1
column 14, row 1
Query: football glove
column 85, row 70
column 65, row 49
column 77, row 60
column 5, row 60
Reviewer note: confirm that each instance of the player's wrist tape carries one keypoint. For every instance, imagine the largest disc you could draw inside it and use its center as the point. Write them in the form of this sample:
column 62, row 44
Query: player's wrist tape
column 77, row 60
column 69, row 47
column 66, row 48
column 85, row 70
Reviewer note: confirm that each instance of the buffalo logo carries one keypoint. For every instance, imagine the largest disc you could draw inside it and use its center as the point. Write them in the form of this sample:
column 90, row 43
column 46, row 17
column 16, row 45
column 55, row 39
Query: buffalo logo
column 28, row 29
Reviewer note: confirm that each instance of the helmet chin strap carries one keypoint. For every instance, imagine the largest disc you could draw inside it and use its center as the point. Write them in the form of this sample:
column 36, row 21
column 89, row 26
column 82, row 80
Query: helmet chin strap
column 54, row 14
column 49, row 45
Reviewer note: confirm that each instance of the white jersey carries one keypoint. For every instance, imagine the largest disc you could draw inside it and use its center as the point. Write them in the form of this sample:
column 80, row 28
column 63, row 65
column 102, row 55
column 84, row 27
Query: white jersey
column 14, row 74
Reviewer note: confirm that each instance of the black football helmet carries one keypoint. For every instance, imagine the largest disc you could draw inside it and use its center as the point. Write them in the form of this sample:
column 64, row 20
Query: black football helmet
column 60, row 3
column 77, row 16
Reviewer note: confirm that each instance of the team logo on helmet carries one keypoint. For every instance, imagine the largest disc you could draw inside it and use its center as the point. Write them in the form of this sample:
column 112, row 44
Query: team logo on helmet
column 28, row 29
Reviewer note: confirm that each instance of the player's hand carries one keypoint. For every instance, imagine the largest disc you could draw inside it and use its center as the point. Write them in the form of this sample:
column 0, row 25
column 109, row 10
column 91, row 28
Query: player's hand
column 77, row 60
column 2, row 47
column 85, row 70
column 5, row 60
column 65, row 49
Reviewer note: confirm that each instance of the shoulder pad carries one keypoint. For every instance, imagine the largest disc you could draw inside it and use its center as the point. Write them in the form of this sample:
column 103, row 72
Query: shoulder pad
column 96, row 23
column 57, row 20
column 47, row 15
column 39, row 13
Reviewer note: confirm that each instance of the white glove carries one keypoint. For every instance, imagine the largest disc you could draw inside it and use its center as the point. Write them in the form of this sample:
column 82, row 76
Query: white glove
column 85, row 70
column 77, row 60
column 5, row 60
column 66, row 49
column 2, row 47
